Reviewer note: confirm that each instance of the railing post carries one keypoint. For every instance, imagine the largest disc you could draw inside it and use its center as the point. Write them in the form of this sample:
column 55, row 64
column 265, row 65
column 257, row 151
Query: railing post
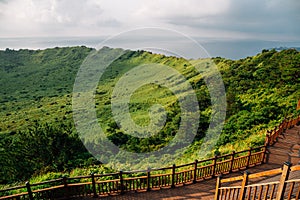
column 248, row 157
column 284, row 124
column 195, row 171
column 244, row 184
column 148, row 179
column 121, row 182
column 29, row 190
column 65, row 182
column 283, row 178
column 231, row 161
column 218, row 185
column 264, row 158
column 267, row 142
column 292, row 123
column 287, row 122
column 95, row 195
column 214, row 166
column 173, row 176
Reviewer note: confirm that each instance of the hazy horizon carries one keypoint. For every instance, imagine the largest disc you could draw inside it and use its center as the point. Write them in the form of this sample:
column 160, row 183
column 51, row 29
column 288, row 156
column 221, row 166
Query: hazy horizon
column 231, row 49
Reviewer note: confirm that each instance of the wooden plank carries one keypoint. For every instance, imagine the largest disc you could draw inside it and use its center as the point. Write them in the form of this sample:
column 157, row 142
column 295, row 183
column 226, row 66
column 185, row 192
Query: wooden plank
column 78, row 184
column 48, row 189
column 14, row 195
column 158, row 175
column 266, row 173
column 295, row 168
column 108, row 181
column 293, row 180
column 237, row 178
column 135, row 178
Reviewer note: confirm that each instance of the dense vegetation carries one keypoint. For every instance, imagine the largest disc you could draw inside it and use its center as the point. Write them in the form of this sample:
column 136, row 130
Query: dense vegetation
column 37, row 134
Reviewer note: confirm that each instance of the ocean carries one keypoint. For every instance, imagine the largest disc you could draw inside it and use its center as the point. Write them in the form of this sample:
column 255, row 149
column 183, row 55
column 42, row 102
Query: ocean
column 231, row 49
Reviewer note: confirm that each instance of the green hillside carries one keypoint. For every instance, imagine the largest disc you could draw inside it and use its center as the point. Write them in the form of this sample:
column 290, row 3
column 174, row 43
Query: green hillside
column 37, row 134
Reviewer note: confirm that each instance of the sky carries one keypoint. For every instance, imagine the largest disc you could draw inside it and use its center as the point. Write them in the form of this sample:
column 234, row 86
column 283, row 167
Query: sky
column 203, row 20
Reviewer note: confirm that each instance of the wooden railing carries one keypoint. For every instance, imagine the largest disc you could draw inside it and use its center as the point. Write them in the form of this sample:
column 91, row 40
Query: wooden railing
column 283, row 188
column 121, row 182
column 273, row 135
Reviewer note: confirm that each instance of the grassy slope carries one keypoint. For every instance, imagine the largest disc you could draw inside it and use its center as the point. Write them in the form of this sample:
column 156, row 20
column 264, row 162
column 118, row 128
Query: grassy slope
column 36, row 85
column 261, row 90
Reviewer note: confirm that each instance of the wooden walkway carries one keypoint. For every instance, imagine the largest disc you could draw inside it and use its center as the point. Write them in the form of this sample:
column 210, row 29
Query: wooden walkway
column 287, row 148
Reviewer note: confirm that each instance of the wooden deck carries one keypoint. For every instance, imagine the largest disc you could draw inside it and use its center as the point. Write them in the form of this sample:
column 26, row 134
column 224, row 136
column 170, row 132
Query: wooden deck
column 287, row 148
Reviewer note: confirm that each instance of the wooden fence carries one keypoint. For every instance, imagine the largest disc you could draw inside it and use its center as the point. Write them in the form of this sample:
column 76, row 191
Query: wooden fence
column 121, row 182
column 282, row 189
column 272, row 135
column 278, row 190
column 118, row 183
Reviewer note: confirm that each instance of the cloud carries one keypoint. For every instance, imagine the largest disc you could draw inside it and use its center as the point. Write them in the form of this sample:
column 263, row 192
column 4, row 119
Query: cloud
column 53, row 17
column 179, row 12
column 256, row 18
column 260, row 19
column 271, row 18
column 176, row 9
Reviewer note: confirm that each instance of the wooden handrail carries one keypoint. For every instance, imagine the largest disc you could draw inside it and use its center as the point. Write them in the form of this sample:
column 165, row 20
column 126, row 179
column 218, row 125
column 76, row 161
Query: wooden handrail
column 295, row 168
column 232, row 179
column 245, row 189
column 272, row 135
column 13, row 196
column 266, row 173
column 13, row 188
column 193, row 173
column 293, row 180
column 47, row 182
